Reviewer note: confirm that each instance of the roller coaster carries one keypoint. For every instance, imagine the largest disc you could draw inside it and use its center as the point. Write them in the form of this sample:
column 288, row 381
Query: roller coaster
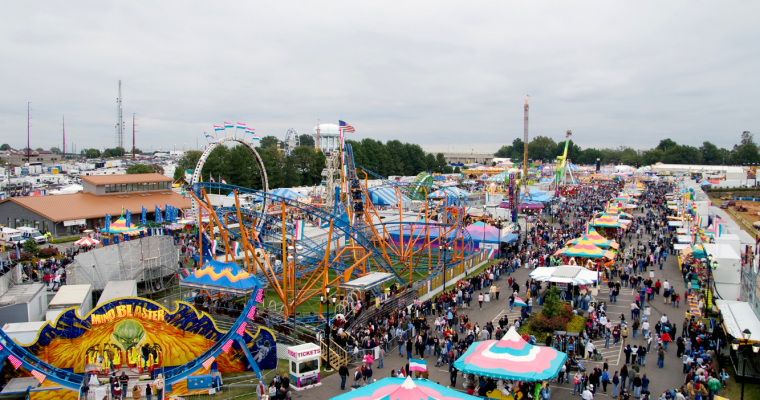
column 415, row 249
column 264, row 235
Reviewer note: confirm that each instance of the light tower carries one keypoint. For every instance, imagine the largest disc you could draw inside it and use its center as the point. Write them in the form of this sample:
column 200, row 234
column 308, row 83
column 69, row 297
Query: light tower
column 119, row 121
column 525, row 142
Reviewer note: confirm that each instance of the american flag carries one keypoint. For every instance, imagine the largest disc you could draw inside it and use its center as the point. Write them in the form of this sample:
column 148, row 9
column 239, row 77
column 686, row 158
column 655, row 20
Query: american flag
column 252, row 313
column 39, row 375
column 346, row 127
column 211, row 178
column 226, row 347
column 15, row 361
column 207, row 363
column 241, row 329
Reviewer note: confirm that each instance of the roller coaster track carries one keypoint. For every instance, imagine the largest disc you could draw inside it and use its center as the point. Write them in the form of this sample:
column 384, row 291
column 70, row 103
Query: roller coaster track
column 337, row 222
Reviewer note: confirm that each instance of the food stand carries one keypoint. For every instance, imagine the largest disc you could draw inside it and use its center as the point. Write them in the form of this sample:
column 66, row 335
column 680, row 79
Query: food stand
column 304, row 361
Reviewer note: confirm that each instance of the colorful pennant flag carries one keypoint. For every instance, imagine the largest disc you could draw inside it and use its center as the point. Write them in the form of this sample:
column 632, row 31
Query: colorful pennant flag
column 226, row 347
column 218, row 128
column 15, row 361
column 207, row 135
column 417, row 365
column 252, row 313
column 207, row 363
column 228, row 125
column 241, row 126
column 298, row 226
column 236, row 249
column 241, row 329
column 39, row 375
column 256, row 137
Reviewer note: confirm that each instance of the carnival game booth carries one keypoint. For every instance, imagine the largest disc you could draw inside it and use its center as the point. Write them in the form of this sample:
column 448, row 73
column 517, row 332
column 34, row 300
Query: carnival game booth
column 304, row 361
column 119, row 230
column 404, row 389
column 566, row 278
column 511, row 358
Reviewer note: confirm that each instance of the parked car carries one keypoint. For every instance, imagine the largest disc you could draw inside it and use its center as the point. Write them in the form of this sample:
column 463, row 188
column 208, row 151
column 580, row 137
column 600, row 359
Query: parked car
column 727, row 203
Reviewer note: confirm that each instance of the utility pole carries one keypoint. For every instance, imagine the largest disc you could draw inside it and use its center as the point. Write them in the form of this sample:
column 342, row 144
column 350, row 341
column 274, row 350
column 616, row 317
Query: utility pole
column 64, row 137
column 28, row 126
column 119, row 121
column 134, row 116
column 525, row 168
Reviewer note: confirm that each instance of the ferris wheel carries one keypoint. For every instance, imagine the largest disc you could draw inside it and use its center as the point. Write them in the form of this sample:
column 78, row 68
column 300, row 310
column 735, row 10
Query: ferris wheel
column 291, row 140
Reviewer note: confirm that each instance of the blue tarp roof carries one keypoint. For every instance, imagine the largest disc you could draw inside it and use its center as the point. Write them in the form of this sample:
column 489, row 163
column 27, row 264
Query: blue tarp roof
column 385, row 196
column 287, row 193
column 223, row 277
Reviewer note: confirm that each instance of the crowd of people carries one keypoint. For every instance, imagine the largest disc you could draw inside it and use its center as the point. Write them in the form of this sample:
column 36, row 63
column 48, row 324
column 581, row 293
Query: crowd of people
column 644, row 245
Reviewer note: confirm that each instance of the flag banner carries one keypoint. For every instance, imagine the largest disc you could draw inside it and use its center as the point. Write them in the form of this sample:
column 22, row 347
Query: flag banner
column 236, row 249
column 108, row 222
column 168, row 212
column 346, row 127
column 144, row 216
column 241, row 126
column 128, row 218
column 491, row 254
column 256, row 137
column 214, row 243
column 241, row 329
column 39, row 375
column 15, row 361
column 252, row 314
column 157, row 214
column 228, row 125
column 298, row 226
column 207, row 363
column 417, row 365
column 226, row 347
column 218, row 128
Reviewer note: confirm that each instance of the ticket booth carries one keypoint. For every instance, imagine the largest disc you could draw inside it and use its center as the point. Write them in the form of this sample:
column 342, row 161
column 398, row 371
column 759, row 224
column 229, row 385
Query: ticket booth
column 304, row 363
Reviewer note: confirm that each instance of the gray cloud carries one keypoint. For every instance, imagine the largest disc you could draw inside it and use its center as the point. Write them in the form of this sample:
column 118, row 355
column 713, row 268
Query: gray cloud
column 424, row 72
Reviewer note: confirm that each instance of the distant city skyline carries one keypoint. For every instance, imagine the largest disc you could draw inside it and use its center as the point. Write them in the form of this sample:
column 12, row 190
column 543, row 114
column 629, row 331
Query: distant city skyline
column 614, row 73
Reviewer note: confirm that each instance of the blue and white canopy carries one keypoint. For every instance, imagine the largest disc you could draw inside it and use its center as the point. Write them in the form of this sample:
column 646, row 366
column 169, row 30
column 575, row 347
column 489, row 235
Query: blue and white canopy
column 450, row 192
column 565, row 274
column 385, row 196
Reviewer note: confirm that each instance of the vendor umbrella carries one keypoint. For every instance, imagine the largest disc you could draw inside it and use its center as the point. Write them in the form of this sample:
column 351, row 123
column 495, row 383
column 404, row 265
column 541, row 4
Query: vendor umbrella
column 86, row 241
column 404, row 389
column 511, row 358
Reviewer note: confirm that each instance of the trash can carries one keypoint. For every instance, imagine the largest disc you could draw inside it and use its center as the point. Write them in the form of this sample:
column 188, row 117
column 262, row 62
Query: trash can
column 647, row 310
column 487, row 297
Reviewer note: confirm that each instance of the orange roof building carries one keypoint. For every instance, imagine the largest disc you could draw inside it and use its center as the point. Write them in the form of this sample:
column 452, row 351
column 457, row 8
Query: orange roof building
column 102, row 194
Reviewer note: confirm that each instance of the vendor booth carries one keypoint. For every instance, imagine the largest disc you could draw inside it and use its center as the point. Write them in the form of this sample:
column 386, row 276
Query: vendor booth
column 304, row 361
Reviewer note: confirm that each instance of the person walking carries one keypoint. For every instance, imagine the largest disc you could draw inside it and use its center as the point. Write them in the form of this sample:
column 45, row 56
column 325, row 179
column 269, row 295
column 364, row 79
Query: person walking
column 661, row 357
column 480, row 300
column 615, row 385
column 343, row 372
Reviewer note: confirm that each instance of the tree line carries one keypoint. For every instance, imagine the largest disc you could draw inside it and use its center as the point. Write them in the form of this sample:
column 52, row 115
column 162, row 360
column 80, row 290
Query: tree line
column 304, row 165
column 667, row 151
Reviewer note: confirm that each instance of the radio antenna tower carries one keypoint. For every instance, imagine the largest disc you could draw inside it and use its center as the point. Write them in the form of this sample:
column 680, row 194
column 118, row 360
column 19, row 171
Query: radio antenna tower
column 525, row 142
column 134, row 118
column 119, row 121
column 319, row 138
column 64, row 136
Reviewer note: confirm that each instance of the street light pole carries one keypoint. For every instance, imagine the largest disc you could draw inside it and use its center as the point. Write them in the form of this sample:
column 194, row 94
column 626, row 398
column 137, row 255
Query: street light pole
column 736, row 345
column 325, row 300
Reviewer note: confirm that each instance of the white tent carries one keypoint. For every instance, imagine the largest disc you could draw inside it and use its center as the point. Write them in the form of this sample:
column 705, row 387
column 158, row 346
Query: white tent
column 565, row 274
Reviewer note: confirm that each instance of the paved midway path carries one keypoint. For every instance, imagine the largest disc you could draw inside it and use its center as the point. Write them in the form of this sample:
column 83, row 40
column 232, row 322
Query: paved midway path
column 661, row 379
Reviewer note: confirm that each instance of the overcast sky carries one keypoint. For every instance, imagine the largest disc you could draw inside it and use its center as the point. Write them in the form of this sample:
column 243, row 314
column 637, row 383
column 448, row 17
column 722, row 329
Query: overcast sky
column 616, row 73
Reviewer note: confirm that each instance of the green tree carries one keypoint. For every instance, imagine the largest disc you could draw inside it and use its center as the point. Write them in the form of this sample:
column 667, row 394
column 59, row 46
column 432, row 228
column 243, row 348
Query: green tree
column 504, row 152
column 542, row 148
column 92, row 153
column 432, row 163
column 665, row 144
column 746, row 151
column 711, row 154
column 457, row 170
column 5, row 146
column 55, row 150
column 269, row 141
column 306, row 140
column 188, row 161
column 30, row 246
column 552, row 303
column 139, row 169
column 652, row 156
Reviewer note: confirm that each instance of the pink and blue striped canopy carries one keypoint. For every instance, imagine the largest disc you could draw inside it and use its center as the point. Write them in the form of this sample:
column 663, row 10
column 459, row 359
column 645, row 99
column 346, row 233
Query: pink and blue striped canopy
column 511, row 358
